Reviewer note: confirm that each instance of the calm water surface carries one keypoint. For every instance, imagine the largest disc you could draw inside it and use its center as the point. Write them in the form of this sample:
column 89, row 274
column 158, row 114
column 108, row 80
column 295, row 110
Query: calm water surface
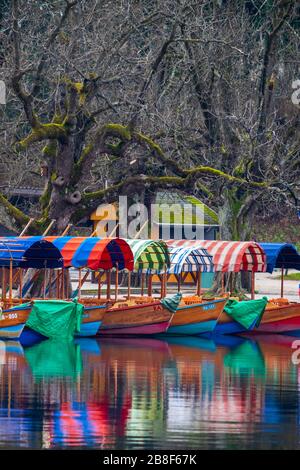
column 184, row 393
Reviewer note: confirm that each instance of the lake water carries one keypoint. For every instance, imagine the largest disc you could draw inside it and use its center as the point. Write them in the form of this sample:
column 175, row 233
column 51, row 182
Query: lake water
column 183, row 393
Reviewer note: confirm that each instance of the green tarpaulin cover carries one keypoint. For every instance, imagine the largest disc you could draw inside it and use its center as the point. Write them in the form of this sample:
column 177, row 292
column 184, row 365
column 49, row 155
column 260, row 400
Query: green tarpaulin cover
column 246, row 358
column 55, row 318
column 171, row 303
column 247, row 312
column 54, row 358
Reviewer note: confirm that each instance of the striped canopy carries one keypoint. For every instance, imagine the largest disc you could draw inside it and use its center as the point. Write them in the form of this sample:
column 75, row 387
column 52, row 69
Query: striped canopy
column 94, row 252
column 29, row 253
column 281, row 255
column 149, row 255
column 190, row 260
column 229, row 256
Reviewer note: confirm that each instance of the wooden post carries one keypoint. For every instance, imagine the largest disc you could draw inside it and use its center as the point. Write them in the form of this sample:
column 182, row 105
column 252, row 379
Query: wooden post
column 58, row 284
column 10, row 280
column 165, row 281
column 112, row 233
column 66, row 230
column 129, row 284
column 222, row 282
column 3, row 285
column 282, row 276
column 79, row 283
column 26, row 227
column 67, row 281
column 117, row 282
column 21, row 283
column 141, row 229
column 252, row 285
column 142, row 284
column 50, row 283
column 150, row 285
column 199, row 276
column 108, row 284
column 99, row 285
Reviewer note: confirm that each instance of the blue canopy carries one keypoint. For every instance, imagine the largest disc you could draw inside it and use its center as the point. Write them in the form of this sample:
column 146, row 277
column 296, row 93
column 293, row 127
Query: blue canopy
column 29, row 253
column 281, row 255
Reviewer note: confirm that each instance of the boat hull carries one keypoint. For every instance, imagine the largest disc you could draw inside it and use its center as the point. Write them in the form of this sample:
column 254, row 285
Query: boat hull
column 91, row 321
column 196, row 319
column 13, row 324
column 142, row 319
column 282, row 319
column 227, row 326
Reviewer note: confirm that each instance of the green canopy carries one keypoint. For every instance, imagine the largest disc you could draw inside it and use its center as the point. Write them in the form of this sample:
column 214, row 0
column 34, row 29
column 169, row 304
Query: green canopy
column 149, row 255
column 53, row 358
column 55, row 318
column 246, row 358
column 247, row 312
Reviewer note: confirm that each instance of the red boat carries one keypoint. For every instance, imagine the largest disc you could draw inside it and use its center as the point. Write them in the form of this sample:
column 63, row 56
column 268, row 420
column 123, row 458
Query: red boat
column 137, row 319
column 280, row 317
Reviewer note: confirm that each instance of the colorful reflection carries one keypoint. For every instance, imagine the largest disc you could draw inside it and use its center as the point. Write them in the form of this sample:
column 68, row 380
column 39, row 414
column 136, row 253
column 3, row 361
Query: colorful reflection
column 180, row 393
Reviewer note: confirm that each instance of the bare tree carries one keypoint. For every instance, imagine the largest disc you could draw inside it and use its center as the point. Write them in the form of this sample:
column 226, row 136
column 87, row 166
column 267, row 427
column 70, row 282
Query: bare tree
column 197, row 92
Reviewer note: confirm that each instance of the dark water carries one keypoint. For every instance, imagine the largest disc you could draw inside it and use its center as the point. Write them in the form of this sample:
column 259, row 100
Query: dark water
column 186, row 393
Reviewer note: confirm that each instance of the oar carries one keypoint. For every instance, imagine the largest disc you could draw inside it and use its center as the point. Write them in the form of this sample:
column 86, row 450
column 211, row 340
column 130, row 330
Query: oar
column 49, row 227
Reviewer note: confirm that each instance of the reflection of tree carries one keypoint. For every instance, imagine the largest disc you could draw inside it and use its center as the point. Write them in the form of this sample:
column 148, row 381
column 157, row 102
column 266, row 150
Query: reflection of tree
column 155, row 394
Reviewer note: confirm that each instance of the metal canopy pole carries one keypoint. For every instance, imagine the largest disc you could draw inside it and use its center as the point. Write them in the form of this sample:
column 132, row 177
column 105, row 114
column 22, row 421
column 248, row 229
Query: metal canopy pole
column 10, row 280
column 199, row 277
column 117, row 282
column 49, row 227
column 26, row 227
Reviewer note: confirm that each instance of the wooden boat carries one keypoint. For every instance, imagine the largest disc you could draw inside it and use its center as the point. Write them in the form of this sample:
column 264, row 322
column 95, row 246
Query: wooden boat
column 281, row 316
column 132, row 318
column 196, row 318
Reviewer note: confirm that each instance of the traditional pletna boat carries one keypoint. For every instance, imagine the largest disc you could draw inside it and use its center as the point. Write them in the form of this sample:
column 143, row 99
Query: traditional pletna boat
column 89, row 254
column 281, row 315
column 110, row 315
column 100, row 255
column 194, row 316
column 230, row 257
column 142, row 315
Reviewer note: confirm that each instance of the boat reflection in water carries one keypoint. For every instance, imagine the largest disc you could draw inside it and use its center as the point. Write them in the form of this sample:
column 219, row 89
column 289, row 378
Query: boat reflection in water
column 130, row 393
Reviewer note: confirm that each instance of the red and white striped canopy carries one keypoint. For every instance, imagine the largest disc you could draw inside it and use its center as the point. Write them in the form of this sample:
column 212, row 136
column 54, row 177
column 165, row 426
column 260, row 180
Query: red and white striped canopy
column 229, row 256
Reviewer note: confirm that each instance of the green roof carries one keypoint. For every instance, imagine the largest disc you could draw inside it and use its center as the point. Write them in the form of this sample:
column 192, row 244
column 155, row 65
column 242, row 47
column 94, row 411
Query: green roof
column 200, row 213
